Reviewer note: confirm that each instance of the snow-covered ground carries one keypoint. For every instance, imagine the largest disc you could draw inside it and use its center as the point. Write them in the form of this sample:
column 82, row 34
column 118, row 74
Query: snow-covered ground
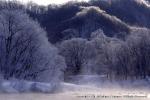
column 81, row 92
column 15, row 86
column 83, row 87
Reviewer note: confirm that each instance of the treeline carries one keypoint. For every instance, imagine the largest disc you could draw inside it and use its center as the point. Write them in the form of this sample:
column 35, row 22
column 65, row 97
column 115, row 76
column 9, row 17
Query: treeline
column 113, row 57
column 60, row 20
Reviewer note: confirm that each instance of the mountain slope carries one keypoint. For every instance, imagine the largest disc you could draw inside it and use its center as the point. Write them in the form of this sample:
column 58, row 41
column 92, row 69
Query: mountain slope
column 92, row 18
column 133, row 12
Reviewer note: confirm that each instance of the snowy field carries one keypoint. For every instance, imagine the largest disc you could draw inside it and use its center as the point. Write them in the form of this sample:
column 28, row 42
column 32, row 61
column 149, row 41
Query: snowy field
column 81, row 88
column 78, row 92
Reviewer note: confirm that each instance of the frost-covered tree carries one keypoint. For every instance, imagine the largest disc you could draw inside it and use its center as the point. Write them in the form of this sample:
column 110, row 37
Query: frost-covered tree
column 132, row 56
column 76, row 52
column 99, row 44
column 121, row 61
column 139, row 45
column 25, row 52
column 104, row 60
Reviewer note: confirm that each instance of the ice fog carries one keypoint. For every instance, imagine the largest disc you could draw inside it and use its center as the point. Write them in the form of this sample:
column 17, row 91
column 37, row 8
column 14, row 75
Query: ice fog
column 77, row 88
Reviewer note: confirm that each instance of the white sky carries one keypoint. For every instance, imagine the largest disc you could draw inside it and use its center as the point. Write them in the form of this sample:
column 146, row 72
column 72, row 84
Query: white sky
column 46, row 2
